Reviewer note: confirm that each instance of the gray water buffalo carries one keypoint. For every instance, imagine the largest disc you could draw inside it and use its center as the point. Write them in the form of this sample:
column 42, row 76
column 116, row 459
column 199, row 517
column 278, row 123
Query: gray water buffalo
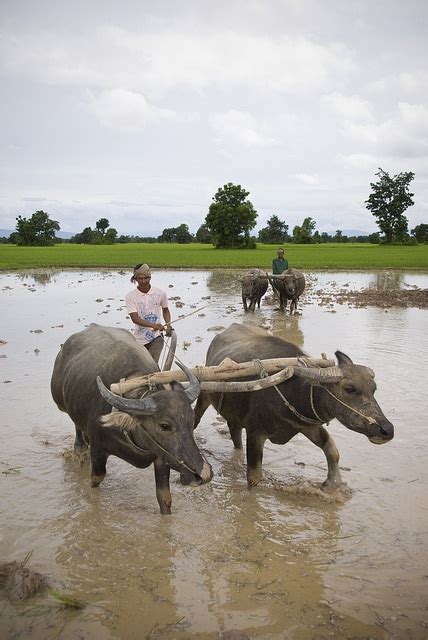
column 254, row 285
column 288, row 286
column 141, row 429
column 298, row 405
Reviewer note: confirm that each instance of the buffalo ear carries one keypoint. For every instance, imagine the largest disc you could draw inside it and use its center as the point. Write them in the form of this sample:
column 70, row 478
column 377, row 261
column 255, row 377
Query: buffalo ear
column 343, row 359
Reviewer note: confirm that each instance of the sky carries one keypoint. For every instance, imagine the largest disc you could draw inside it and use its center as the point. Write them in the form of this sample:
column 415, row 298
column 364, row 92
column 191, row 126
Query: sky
column 139, row 111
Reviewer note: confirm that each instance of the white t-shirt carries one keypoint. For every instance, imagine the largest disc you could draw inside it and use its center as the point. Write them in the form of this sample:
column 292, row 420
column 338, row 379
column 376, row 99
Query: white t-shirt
column 149, row 307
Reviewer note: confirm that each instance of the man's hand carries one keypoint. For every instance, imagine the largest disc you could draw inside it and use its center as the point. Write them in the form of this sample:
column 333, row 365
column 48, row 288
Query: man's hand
column 168, row 330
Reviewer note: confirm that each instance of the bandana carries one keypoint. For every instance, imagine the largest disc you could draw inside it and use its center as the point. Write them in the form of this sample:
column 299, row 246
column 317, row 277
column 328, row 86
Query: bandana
column 144, row 270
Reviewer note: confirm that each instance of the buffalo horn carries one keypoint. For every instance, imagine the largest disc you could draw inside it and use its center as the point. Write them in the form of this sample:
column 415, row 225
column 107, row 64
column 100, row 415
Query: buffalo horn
column 194, row 387
column 320, row 376
column 135, row 406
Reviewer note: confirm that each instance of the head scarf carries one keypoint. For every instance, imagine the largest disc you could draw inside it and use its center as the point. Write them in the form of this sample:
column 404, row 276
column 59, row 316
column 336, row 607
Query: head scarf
column 144, row 270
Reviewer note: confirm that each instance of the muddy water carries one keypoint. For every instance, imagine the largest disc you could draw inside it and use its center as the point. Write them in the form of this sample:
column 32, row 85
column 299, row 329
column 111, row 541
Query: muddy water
column 280, row 561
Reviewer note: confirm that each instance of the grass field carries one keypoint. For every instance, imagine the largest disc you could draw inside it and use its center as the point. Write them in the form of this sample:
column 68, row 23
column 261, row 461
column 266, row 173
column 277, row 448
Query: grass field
column 200, row 256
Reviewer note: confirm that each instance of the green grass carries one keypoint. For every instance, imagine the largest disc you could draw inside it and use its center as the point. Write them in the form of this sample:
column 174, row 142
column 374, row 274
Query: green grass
column 200, row 256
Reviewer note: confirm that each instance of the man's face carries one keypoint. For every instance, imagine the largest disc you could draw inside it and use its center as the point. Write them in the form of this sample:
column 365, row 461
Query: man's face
column 143, row 283
column 280, row 255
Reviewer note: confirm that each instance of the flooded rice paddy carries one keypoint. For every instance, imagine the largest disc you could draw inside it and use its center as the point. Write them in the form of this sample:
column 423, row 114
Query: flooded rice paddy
column 283, row 560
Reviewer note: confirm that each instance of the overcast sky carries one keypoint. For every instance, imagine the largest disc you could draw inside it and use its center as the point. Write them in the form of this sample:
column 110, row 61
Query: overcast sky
column 139, row 111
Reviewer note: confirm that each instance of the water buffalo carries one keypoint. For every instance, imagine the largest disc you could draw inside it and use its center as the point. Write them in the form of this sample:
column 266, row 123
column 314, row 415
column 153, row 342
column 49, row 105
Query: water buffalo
column 298, row 405
column 288, row 286
column 254, row 285
column 140, row 429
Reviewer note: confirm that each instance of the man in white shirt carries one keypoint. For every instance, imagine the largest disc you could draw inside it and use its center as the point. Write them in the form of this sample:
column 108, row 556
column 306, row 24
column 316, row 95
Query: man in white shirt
column 145, row 304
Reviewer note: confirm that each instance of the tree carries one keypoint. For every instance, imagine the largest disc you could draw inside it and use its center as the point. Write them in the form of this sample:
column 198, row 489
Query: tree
column 231, row 217
column 303, row 234
column 85, row 237
column 420, row 232
column 39, row 230
column 203, row 235
column 183, row 235
column 168, row 235
column 276, row 231
column 110, row 236
column 388, row 201
column 101, row 225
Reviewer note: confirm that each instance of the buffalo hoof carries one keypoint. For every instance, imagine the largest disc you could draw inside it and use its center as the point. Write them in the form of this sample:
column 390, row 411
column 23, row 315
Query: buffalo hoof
column 331, row 487
column 96, row 480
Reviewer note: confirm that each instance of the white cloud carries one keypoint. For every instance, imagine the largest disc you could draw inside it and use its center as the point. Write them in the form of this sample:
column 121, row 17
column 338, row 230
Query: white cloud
column 404, row 134
column 126, row 110
column 307, row 179
column 351, row 108
column 154, row 63
column 240, row 127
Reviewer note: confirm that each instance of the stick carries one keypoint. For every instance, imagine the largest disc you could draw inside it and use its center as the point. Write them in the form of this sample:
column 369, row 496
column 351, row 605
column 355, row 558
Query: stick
column 187, row 315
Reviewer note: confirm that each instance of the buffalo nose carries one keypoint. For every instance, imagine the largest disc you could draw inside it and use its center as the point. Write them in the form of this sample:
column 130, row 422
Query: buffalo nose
column 387, row 430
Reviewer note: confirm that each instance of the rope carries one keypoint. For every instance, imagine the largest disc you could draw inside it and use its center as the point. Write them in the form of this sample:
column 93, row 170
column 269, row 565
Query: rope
column 294, row 410
column 368, row 418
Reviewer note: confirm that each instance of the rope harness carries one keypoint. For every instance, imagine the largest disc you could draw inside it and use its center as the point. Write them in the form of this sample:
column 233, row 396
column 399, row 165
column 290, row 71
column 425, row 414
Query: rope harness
column 264, row 374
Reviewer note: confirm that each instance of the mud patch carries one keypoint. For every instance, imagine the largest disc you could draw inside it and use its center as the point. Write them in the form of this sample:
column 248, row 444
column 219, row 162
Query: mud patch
column 383, row 299
column 18, row 583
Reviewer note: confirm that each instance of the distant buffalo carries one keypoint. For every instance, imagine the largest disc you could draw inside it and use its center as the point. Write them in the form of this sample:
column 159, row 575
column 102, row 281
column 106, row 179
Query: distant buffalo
column 254, row 285
column 288, row 286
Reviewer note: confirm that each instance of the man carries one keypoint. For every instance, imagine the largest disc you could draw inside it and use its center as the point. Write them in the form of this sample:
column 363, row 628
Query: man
column 279, row 264
column 145, row 304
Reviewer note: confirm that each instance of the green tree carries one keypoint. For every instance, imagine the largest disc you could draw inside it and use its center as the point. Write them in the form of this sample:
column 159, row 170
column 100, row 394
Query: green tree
column 304, row 234
column 203, row 234
column 231, row 217
column 275, row 232
column 85, row 237
column 102, row 225
column 168, row 235
column 388, row 201
column 338, row 236
column 374, row 238
column 183, row 235
column 420, row 232
column 110, row 236
column 39, row 230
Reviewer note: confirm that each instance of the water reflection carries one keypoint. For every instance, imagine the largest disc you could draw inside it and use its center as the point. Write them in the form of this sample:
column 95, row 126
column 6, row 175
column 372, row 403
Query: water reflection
column 39, row 277
column 389, row 280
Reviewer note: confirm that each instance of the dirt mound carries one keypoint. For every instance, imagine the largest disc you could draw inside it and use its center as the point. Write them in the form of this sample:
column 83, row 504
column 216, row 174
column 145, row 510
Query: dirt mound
column 384, row 299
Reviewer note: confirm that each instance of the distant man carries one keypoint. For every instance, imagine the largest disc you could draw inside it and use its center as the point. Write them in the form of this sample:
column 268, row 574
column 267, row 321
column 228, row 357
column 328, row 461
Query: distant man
column 279, row 264
column 145, row 305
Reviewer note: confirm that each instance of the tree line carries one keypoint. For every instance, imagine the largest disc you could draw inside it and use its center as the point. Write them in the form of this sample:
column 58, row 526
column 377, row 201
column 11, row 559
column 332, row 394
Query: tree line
column 231, row 218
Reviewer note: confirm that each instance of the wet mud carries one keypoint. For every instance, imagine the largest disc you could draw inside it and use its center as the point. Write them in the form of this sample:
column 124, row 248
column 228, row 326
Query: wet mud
column 284, row 560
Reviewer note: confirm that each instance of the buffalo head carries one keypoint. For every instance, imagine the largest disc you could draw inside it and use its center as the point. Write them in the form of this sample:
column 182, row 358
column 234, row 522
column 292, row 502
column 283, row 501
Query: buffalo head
column 162, row 425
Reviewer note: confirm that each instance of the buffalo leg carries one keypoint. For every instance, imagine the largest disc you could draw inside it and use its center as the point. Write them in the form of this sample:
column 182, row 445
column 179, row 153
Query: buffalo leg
column 236, row 434
column 98, row 467
column 244, row 302
column 254, row 458
column 321, row 437
column 163, row 492
column 80, row 444
column 201, row 406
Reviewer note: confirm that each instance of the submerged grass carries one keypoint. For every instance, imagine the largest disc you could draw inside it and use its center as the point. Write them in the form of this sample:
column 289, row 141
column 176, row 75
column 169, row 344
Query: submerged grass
column 202, row 256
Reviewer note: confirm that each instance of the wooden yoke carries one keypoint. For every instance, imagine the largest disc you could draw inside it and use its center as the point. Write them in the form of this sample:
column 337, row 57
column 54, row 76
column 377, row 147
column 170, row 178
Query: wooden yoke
column 226, row 370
